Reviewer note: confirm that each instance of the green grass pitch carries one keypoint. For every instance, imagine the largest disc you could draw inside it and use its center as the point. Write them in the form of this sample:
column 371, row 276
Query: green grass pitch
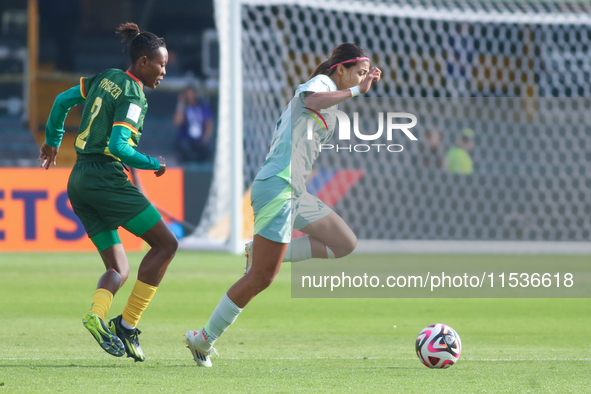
column 278, row 344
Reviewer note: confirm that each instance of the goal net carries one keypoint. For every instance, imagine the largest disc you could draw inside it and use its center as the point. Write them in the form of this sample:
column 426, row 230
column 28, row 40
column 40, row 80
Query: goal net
column 524, row 64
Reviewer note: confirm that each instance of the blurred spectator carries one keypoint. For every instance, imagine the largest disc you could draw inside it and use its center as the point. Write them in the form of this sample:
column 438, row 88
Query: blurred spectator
column 431, row 149
column 195, row 128
column 458, row 158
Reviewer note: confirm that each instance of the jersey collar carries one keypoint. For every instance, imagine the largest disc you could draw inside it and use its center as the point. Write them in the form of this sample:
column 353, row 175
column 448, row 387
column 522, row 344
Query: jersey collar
column 135, row 79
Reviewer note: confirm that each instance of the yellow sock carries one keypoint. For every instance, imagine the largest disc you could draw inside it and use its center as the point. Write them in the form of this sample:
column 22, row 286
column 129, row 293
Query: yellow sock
column 101, row 302
column 138, row 302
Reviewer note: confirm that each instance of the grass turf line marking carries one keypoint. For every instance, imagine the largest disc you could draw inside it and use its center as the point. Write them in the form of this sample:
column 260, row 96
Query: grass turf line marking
column 301, row 358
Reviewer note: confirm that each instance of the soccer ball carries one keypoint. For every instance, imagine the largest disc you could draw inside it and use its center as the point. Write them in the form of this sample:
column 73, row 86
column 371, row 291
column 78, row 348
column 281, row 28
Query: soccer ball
column 438, row 346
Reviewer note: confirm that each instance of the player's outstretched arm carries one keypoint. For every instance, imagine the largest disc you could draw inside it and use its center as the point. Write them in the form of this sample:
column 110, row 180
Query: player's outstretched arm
column 323, row 100
column 54, row 130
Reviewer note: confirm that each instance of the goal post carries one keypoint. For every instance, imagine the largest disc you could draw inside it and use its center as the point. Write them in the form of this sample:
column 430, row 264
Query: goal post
column 236, row 244
column 428, row 49
column 221, row 225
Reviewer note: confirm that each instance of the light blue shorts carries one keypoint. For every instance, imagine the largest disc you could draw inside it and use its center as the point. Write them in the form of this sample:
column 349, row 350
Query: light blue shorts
column 308, row 209
column 277, row 211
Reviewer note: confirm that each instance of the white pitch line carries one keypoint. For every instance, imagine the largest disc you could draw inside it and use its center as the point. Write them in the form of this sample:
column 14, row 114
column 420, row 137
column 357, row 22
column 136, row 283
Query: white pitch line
column 302, row 358
column 526, row 359
column 405, row 358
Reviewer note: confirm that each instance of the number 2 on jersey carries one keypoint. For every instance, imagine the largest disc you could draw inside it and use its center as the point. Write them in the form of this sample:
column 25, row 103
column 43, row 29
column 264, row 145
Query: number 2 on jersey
column 94, row 110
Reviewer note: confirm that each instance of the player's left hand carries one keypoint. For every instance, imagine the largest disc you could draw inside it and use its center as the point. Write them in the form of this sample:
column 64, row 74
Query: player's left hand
column 162, row 169
column 48, row 155
column 373, row 75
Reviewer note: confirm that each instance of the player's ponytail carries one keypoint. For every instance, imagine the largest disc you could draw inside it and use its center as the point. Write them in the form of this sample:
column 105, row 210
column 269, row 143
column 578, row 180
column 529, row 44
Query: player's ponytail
column 321, row 69
column 128, row 31
column 140, row 43
column 340, row 54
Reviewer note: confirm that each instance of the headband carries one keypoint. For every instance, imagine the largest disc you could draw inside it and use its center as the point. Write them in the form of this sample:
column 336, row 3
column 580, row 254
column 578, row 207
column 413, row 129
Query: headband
column 348, row 61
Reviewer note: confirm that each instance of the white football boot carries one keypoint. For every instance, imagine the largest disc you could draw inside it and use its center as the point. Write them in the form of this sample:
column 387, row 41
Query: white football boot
column 199, row 348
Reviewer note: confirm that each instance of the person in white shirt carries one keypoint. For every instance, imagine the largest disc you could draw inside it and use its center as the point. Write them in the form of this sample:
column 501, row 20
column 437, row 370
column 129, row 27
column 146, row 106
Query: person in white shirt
column 279, row 198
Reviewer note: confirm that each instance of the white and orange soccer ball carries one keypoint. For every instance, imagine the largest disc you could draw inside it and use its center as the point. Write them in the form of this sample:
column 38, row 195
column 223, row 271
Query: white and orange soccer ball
column 438, row 346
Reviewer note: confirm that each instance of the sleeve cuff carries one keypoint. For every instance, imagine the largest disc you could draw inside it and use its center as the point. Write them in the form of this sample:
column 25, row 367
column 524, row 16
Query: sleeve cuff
column 54, row 142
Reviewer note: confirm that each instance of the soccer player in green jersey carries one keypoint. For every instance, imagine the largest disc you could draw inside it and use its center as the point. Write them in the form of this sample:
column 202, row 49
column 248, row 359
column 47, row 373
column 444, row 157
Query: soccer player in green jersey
column 100, row 192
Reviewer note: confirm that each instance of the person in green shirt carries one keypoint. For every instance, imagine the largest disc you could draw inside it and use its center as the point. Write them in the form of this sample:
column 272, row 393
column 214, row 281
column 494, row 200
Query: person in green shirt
column 458, row 158
column 100, row 192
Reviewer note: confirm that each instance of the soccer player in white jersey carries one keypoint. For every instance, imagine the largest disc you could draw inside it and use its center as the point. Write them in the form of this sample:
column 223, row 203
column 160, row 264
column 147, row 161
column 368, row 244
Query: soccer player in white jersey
column 279, row 198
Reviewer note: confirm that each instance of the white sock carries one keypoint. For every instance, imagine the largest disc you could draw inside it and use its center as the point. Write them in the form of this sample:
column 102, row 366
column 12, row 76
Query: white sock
column 299, row 249
column 126, row 325
column 329, row 253
column 222, row 317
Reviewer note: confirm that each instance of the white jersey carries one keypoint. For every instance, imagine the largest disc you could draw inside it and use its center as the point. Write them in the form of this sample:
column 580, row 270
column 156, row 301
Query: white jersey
column 292, row 153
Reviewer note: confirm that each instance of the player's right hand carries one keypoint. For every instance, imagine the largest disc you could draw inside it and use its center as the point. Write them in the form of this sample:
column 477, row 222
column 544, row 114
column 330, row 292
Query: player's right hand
column 48, row 155
column 162, row 169
column 373, row 75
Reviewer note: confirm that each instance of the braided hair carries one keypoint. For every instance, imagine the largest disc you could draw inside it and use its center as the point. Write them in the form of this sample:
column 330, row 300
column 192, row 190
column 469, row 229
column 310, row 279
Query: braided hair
column 140, row 43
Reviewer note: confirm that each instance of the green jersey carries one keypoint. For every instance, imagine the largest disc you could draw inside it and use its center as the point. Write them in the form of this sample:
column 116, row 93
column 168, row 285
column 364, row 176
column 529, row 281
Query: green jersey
column 113, row 98
column 112, row 120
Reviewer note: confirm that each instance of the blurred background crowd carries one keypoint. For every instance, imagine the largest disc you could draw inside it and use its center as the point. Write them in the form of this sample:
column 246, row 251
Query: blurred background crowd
column 76, row 38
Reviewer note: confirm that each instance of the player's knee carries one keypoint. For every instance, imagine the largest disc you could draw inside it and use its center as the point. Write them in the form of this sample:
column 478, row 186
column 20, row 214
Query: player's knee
column 172, row 246
column 263, row 280
column 168, row 246
column 264, row 283
column 351, row 244
column 124, row 274
column 118, row 274
column 346, row 246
